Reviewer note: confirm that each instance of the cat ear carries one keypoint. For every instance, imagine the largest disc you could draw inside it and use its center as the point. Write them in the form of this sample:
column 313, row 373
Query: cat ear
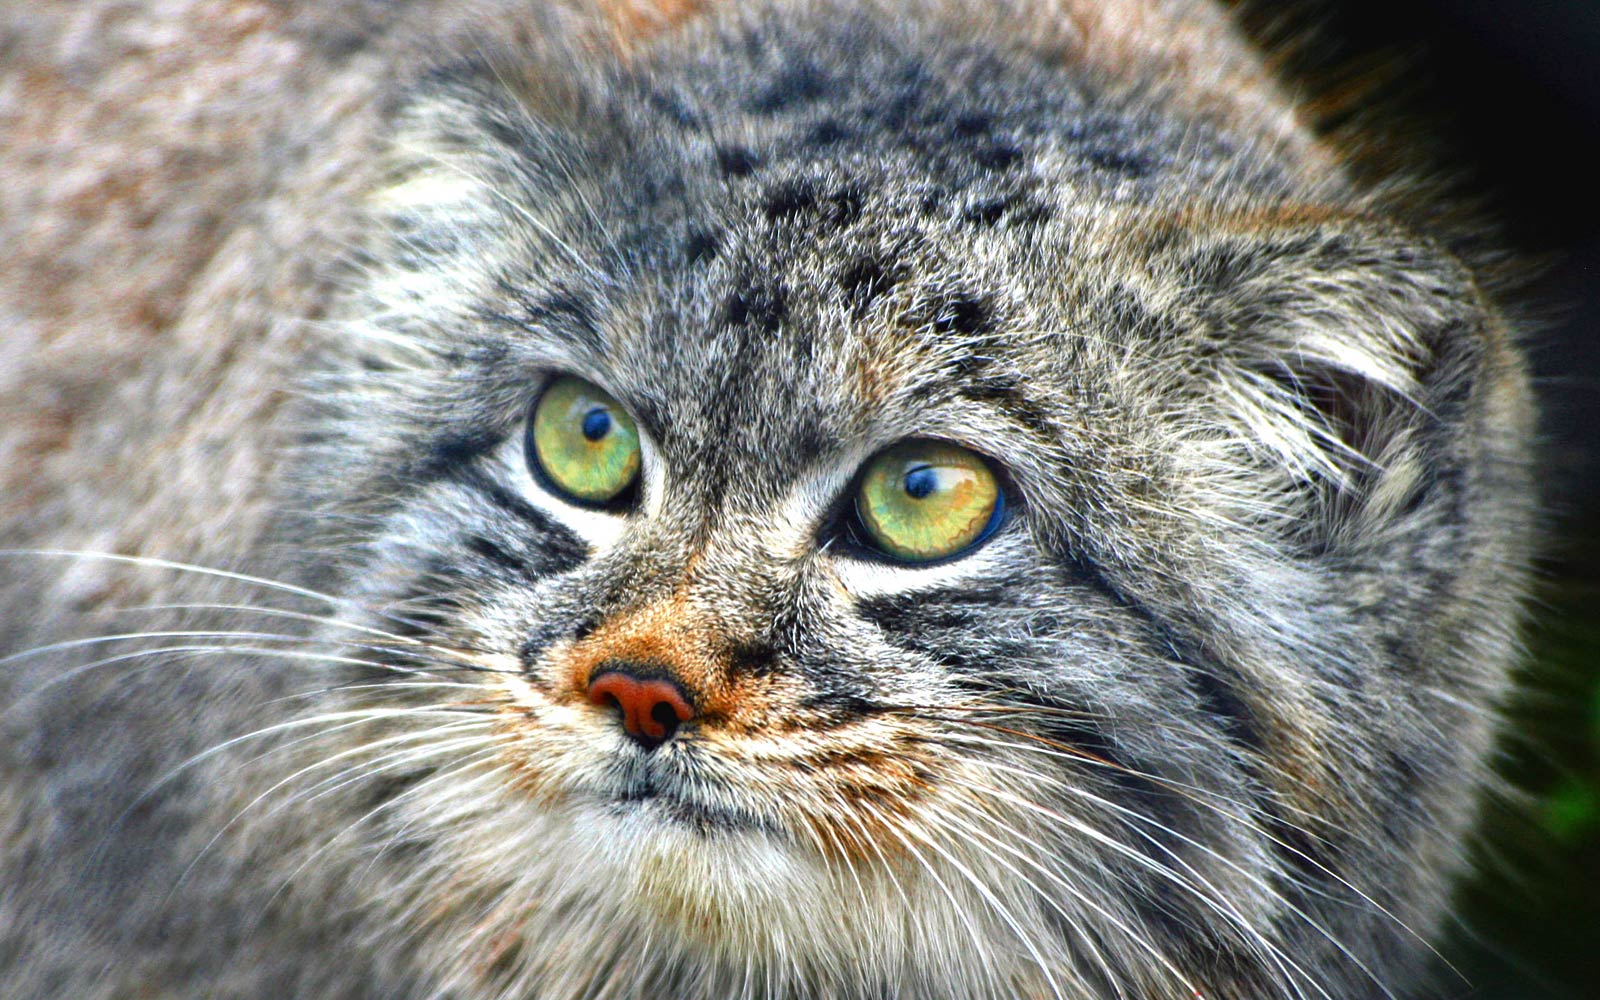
column 430, row 215
column 469, row 159
column 1346, row 361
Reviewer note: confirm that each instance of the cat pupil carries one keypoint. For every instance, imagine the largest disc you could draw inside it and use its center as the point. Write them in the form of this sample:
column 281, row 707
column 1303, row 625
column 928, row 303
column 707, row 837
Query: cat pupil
column 921, row 481
column 596, row 424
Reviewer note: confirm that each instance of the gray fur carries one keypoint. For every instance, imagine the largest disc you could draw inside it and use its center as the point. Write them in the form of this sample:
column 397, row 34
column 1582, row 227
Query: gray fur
column 1208, row 716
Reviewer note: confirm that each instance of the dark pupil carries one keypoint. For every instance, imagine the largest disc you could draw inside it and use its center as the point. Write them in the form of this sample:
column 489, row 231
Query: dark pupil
column 596, row 424
column 921, row 482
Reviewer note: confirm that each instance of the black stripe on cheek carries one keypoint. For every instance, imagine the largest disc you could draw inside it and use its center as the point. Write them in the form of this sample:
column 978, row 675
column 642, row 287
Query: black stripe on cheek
column 498, row 555
column 422, row 614
column 1062, row 725
column 449, row 453
column 1222, row 703
column 559, row 549
column 1218, row 692
column 1059, row 721
column 1217, row 687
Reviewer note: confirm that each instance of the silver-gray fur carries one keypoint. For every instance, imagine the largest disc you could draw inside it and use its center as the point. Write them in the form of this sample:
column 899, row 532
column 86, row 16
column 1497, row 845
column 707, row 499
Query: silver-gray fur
column 1207, row 716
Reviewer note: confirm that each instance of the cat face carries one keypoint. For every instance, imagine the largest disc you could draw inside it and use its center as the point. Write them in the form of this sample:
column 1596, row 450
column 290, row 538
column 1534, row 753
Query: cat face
column 971, row 539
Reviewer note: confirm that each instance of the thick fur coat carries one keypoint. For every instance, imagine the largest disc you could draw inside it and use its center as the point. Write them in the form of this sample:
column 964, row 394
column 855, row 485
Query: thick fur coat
column 301, row 645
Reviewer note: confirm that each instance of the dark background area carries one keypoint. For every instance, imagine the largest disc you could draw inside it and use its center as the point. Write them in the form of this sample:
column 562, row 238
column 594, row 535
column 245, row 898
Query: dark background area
column 1508, row 93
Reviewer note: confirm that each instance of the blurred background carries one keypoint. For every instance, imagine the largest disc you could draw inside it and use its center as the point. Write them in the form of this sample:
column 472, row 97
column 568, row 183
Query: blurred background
column 1509, row 90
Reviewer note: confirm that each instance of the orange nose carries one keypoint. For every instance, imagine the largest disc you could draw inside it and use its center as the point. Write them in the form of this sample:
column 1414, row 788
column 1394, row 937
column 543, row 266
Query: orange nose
column 651, row 707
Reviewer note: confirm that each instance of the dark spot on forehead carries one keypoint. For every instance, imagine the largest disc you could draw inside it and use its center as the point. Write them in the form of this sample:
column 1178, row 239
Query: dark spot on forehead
column 758, row 304
column 865, row 280
column 1120, row 161
column 954, row 314
column 1014, row 209
column 999, row 156
column 701, row 245
column 736, row 161
column 988, row 212
column 797, row 84
column 972, row 124
column 827, row 133
column 962, row 313
column 1030, row 212
column 789, row 201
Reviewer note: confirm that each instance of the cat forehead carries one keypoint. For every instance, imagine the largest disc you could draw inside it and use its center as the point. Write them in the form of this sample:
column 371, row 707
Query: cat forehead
column 768, row 245
column 758, row 195
column 798, row 270
column 804, row 332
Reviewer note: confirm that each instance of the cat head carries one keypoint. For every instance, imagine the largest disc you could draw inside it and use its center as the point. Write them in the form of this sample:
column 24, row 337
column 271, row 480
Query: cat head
column 876, row 529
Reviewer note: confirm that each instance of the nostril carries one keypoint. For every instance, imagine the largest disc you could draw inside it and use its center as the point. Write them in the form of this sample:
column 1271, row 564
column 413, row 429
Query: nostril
column 666, row 717
column 651, row 707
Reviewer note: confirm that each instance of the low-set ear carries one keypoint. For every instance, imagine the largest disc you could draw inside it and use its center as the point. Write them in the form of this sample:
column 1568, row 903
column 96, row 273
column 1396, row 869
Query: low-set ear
column 478, row 171
column 442, row 200
column 1350, row 365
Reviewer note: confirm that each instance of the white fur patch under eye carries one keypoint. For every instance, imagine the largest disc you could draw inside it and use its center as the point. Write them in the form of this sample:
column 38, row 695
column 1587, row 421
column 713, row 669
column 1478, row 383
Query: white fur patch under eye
column 600, row 529
column 864, row 577
column 794, row 526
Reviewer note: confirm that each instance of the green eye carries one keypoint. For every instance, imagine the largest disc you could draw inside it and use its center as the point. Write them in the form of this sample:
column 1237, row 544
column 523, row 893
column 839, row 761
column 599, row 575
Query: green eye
column 585, row 445
column 925, row 500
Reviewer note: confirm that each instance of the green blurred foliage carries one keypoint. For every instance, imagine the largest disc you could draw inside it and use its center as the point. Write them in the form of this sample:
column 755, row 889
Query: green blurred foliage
column 1530, row 919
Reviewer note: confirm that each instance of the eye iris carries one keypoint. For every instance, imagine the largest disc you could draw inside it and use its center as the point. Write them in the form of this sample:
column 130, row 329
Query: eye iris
column 925, row 500
column 583, row 442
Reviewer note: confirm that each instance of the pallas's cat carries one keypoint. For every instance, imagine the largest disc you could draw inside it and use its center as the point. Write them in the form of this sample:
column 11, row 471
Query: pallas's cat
column 748, row 500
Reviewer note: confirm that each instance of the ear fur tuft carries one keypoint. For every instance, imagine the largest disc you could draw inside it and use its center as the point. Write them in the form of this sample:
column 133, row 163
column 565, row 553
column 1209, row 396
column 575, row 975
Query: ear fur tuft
column 1338, row 347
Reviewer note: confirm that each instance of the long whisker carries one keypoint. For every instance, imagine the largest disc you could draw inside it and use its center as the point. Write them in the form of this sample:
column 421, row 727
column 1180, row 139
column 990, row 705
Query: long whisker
column 1100, row 909
column 1199, row 887
column 959, row 910
column 1165, row 872
column 995, row 904
column 167, row 654
column 189, row 652
column 56, row 647
column 1050, row 747
column 451, row 773
column 448, row 773
column 1050, row 900
column 153, row 562
column 344, row 720
column 1203, row 798
column 1034, row 777
column 394, row 759
column 863, row 836
column 325, row 762
column 383, row 686
column 271, row 612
